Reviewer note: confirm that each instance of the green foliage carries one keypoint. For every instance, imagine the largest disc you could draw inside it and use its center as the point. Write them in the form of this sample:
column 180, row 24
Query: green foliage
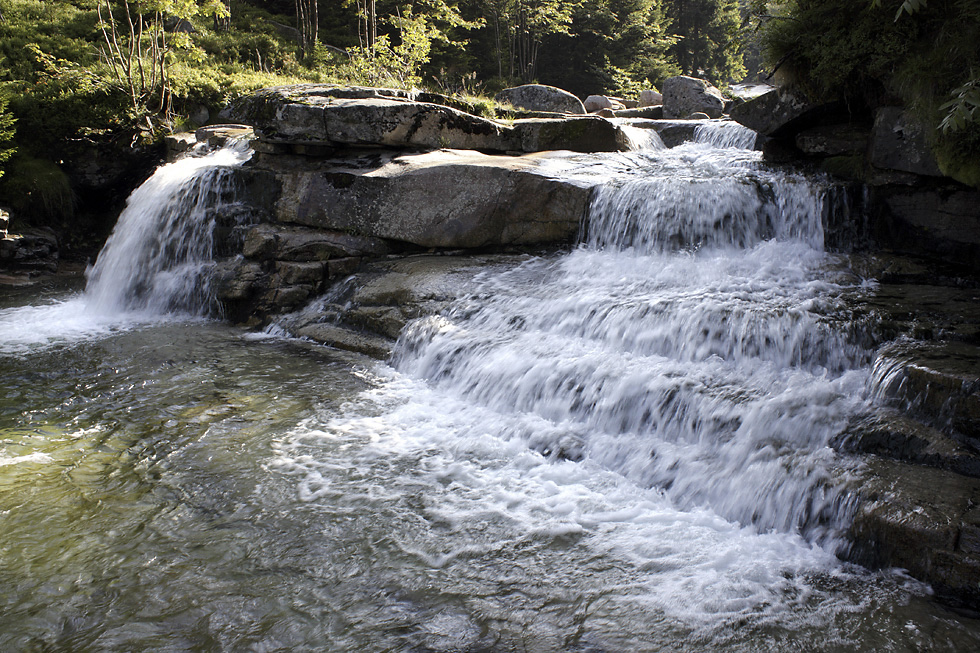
column 709, row 38
column 7, row 121
column 37, row 190
column 964, row 109
column 922, row 55
column 612, row 46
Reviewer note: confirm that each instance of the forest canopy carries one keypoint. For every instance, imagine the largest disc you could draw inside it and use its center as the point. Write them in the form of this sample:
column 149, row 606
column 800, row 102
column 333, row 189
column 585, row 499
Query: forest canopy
column 77, row 69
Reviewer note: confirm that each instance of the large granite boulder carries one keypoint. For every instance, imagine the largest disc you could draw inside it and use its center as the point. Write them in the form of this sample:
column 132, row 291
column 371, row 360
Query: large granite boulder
column 445, row 199
column 683, row 96
column 899, row 142
column 783, row 112
column 650, row 97
column 595, row 103
column 283, row 116
column 575, row 133
column 538, row 97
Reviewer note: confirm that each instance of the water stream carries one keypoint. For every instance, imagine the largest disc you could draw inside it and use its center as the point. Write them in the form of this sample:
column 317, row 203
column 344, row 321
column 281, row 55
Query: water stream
column 621, row 447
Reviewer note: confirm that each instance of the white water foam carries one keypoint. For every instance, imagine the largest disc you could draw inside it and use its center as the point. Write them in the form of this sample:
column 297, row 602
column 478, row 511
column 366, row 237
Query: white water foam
column 664, row 394
column 725, row 134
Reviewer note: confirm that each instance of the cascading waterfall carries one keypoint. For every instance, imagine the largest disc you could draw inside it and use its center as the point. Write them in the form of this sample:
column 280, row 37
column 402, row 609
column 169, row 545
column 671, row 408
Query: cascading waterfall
column 686, row 344
column 160, row 253
column 618, row 447
column 157, row 261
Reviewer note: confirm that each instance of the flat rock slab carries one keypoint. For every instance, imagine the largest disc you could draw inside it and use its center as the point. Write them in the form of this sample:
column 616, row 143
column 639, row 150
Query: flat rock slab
column 368, row 311
column 311, row 116
column 446, row 199
column 924, row 520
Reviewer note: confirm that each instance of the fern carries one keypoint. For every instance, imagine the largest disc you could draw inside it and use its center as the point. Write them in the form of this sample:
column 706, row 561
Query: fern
column 907, row 7
column 910, row 7
column 963, row 109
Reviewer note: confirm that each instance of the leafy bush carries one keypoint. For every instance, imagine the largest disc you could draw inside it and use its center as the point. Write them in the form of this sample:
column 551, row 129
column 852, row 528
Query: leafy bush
column 876, row 52
column 7, row 121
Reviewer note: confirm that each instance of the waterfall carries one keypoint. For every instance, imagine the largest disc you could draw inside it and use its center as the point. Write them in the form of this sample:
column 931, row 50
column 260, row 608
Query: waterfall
column 159, row 255
column 687, row 344
column 725, row 134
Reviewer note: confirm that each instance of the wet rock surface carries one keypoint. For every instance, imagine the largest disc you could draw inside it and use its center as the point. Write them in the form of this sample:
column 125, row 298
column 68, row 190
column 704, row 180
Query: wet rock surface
column 919, row 487
column 30, row 251
column 367, row 311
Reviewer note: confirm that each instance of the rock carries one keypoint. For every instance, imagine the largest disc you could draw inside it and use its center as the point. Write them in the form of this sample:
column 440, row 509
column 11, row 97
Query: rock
column 290, row 243
column 651, row 113
column 899, row 143
column 198, row 114
column 698, row 115
column 940, row 383
column 784, row 112
column 538, row 97
column 683, row 96
column 595, row 103
column 923, row 520
column 578, row 134
column 280, row 118
column 218, row 135
column 833, row 140
column 369, row 312
column 312, row 124
column 347, row 339
column 32, row 250
column 941, row 222
column 179, row 25
column 650, row 97
column 239, row 280
column 177, row 144
column 447, row 199
column 746, row 92
column 672, row 132
column 889, row 433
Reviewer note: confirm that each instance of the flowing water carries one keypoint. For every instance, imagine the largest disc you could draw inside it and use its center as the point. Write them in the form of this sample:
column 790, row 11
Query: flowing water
column 622, row 447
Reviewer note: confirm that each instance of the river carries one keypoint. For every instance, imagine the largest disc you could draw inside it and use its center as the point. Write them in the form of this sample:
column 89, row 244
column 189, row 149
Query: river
column 619, row 447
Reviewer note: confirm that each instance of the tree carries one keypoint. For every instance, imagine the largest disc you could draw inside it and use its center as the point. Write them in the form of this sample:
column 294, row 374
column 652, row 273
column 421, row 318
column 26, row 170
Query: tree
column 708, row 38
column 396, row 41
column 614, row 46
column 6, row 131
column 308, row 23
column 137, row 45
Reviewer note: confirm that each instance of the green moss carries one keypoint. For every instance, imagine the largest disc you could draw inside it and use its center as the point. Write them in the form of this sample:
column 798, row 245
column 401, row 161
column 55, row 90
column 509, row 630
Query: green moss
column 846, row 167
column 963, row 168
